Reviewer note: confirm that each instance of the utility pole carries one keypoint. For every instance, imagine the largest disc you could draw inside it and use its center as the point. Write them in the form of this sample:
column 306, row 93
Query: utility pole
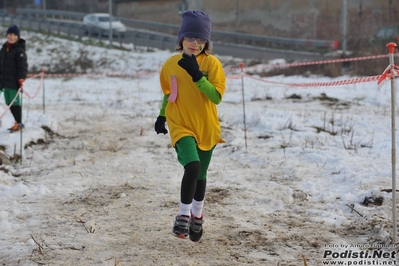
column 182, row 7
column 110, row 22
column 344, row 25
column 237, row 24
column 360, row 24
column 390, row 12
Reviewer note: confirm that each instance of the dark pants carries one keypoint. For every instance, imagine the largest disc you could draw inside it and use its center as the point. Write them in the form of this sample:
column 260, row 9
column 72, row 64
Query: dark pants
column 15, row 108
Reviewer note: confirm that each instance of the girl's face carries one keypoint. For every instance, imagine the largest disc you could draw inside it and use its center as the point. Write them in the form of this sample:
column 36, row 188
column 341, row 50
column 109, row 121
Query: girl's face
column 12, row 38
column 193, row 46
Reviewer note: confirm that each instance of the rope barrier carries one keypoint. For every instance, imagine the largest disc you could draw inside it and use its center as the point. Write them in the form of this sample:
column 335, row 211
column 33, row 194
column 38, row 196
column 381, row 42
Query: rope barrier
column 8, row 106
column 115, row 74
column 38, row 89
column 318, row 62
column 315, row 84
column 389, row 73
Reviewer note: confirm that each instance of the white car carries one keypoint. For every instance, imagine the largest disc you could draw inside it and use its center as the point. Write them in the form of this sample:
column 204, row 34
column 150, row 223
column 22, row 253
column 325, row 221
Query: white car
column 98, row 23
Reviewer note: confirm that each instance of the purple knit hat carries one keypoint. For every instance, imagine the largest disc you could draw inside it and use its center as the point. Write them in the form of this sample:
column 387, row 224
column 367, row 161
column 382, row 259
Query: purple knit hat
column 195, row 23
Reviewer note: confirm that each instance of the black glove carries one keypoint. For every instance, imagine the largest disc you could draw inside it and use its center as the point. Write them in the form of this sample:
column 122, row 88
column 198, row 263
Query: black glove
column 189, row 63
column 160, row 125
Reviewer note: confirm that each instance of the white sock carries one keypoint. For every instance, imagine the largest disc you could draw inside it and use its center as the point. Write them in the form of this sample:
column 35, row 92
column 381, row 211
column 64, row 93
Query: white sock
column 197, row 208
column 185, row 209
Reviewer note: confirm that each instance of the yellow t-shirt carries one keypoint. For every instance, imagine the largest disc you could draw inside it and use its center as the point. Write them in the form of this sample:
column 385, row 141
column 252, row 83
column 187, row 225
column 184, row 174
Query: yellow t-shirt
column 192, row 113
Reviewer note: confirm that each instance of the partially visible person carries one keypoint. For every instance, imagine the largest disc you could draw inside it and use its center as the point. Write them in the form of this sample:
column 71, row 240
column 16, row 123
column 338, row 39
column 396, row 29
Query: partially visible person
column 193, row 83
column 13, row 71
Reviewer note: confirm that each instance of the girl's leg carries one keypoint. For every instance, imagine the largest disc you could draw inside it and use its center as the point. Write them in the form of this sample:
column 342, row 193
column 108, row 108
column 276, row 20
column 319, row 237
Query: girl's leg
column 197, row 217
column 187, row 155
column 188, row 183
column 186, row 149
column 17, row 113
column 205, row 159
column 16, row 110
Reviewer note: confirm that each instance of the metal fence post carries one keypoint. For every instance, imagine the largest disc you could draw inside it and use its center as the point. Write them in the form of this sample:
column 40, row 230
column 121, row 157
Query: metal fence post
column 391, row 47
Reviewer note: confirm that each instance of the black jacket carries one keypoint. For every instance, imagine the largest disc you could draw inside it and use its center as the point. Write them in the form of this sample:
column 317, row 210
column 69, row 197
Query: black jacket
column 13, row 65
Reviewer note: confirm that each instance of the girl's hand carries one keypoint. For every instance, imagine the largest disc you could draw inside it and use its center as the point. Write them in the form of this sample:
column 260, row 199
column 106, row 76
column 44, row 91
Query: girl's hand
column 189, row 63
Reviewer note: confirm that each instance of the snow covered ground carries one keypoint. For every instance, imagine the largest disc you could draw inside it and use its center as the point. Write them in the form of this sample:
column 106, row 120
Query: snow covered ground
column 97, row 185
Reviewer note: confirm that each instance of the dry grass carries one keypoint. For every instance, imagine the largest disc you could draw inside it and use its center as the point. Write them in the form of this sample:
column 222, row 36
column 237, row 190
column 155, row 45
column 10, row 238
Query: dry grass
column 305, row 263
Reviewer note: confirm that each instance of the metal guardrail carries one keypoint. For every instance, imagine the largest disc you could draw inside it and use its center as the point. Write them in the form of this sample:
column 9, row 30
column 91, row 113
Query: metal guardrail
column 76, row 30
column 50, row 13
column 223, row 36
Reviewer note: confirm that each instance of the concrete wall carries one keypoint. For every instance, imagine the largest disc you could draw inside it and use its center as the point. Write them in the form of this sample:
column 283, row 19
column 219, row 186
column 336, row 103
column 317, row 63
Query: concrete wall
column 161, row 11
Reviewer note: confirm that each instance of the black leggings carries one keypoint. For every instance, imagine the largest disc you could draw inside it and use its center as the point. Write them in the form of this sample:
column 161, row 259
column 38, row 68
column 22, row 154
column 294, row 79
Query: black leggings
column 17, row 113
column 191, row 187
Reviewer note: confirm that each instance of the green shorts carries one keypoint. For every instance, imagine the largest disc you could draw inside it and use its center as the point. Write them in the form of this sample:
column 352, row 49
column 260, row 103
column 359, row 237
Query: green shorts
column 187, row 152
column 9, row 95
